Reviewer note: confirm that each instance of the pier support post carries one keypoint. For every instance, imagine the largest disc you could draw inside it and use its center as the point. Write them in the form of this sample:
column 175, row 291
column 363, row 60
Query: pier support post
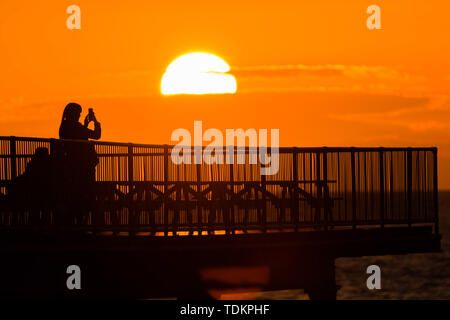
column 323, row 280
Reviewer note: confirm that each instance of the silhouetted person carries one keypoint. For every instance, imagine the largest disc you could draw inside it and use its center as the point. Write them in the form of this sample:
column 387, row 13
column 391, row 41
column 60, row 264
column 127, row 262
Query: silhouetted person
column 31, row 191
column 70, row 128
column 80, row 157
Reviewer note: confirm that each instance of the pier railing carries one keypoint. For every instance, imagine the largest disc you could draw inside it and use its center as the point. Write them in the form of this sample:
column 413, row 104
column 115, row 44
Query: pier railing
column 139, row 189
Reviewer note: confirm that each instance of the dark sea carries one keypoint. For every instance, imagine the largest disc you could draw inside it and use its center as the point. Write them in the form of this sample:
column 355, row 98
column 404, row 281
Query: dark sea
column 413, row 276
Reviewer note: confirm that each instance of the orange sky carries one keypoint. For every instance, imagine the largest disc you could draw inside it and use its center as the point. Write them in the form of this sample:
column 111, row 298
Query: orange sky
column 310, row 68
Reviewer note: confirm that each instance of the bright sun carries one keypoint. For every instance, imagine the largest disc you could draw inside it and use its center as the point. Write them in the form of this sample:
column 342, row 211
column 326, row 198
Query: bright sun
column 197, row 73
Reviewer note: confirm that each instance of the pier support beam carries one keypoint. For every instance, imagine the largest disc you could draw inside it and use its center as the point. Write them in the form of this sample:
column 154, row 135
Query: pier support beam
column 323, row 280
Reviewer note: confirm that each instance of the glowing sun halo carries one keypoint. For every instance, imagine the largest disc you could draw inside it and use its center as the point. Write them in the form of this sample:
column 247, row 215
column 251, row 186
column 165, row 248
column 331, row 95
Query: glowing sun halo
column 198, row 73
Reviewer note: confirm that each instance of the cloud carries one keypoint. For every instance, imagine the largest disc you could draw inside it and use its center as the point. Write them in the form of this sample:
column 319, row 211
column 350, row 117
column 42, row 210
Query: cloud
column 354, row 71
column 23, row 110
column 286, row 71
column 332, row 78
column 434, row 115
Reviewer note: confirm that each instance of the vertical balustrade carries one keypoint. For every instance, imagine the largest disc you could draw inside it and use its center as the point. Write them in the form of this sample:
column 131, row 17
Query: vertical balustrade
column 131, row 207
column 295, row 209
column 409, row 185
column 324, row 186
column 435, row 191
column 319, row 189
column 381, row 169
column 353, row 173
column 166, row 186
column 12, row 152
column 231, row 214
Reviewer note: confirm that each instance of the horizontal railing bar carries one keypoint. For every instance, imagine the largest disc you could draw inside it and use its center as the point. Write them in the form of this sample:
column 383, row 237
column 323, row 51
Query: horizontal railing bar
column 192, row 182
column 234, row 182
column 281, row 149
column 206, row 227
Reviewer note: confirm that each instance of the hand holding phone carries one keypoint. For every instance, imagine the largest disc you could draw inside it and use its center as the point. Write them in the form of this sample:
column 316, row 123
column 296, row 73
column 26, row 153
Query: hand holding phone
column 91, row 116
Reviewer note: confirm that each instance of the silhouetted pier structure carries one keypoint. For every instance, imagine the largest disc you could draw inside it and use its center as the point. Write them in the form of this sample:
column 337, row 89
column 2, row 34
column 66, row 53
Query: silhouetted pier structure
column 164, row 223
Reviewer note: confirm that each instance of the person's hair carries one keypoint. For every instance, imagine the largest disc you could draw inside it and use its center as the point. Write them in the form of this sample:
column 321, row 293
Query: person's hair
column 70, row 110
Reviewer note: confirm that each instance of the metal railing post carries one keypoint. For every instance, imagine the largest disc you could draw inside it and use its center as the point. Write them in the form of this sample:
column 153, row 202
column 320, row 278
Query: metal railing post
column 409, row 184
column 132, row 213
column 263, row 198
column 435, row 191
column 319, row 189
column 295, row 190
column 166, row 186
column 324, row 186
column 231, row 208
column 381, row 164
column 353, row 169
column 12, row 152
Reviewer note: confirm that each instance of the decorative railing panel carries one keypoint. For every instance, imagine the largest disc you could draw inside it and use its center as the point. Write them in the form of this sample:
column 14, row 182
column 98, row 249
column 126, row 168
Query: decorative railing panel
column 139, row 188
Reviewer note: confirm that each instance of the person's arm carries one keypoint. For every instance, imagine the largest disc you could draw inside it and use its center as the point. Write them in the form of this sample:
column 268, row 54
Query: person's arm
column 92, row 134
column 97, row 133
